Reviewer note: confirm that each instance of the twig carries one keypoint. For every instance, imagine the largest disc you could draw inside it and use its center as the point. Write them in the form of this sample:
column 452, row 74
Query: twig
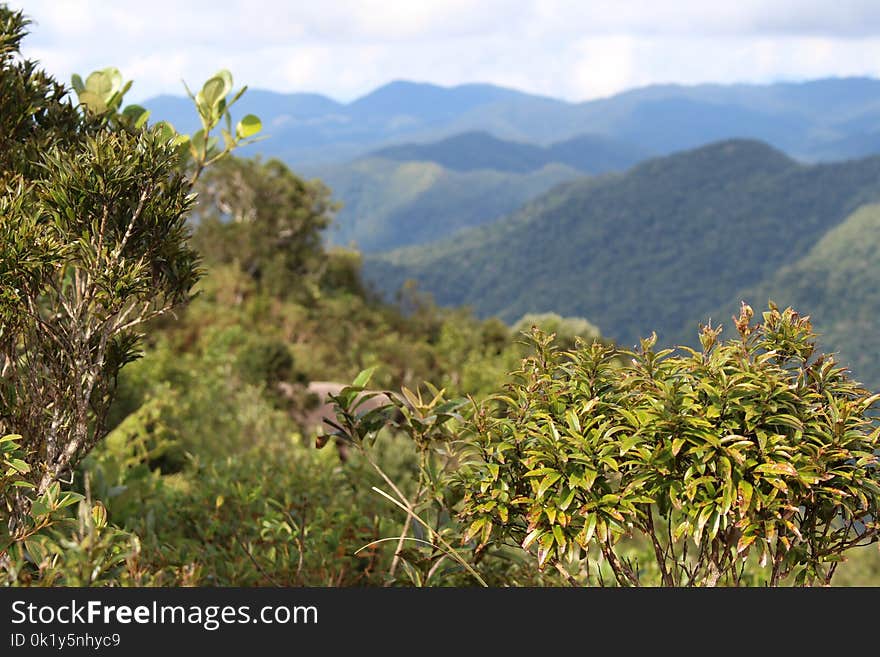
column 254, row 561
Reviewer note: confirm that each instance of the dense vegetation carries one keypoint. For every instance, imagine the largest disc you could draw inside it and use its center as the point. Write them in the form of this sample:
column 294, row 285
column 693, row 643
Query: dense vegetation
column 661, row 247
column 749, row 446
column 151, row 398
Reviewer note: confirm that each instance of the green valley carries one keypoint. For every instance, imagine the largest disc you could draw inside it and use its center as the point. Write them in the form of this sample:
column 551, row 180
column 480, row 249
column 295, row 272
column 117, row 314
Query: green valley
column 386, row 204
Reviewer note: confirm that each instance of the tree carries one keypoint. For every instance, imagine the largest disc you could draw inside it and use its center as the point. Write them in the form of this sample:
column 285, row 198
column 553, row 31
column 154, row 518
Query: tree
column 266, row 219
column 93, row 244
column 747, row 448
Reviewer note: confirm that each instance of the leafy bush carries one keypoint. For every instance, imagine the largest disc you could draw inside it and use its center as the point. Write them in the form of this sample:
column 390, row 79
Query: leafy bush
column 77, row 551
column 48, row 547
column 566, row 329
column 265, row 362
column 750, row 447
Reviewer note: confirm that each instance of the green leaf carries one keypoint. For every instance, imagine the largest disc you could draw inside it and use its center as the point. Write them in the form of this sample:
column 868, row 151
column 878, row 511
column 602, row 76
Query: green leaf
column 213, row 91
column 165, row 130
column 474, row 529
column 559, row 535
column 589, row 478
column 548, row 481
column 69, row 499
column 363, row 378
column 590, row 527
column 39, row 508
column 777, row 469
column 226, row 76
column 530, row 538
column 786, row 420
column 248, row 126
column 93, row 102
column 745, row 493
column 563, row 506
column 197, row 144
column 573, row 422
column 104, row 83
column 628, row 442
column 20, row 466
column 539, row 472
column 136, row 114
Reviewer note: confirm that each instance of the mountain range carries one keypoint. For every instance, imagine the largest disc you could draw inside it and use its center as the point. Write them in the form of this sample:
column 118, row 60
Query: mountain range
column 417, row 193
column 831, row 118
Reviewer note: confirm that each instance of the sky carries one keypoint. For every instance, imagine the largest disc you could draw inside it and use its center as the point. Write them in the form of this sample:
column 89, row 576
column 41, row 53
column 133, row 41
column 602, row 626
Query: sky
column 571, row 49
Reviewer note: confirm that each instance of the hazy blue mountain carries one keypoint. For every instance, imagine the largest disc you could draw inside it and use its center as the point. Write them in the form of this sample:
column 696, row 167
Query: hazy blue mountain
column 428, row 102
column 821, row 119
column 470, row 151
column 309, row 129
column 659, row 247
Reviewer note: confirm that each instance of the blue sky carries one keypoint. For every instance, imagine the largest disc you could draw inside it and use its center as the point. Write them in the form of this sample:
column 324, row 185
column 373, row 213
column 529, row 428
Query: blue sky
column 576, row 50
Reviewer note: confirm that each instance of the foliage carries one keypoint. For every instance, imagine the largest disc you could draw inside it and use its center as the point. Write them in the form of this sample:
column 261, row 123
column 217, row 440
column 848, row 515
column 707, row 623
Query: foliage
column 47, row 547
column 91, row 251
column 747, row 447
column 427, row 423
column 34, row 114
column 93, row 245
column 271, row 515
column 268, row 221
column 566, row 330
column 77, row 551
column 265, row 362
column 14, row 485
column 205, row 476
column 101, row 97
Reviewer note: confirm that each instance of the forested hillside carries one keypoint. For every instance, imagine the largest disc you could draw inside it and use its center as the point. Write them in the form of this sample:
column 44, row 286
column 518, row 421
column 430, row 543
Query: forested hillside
column 838, row 282
column 661, row 247
column 386, row 204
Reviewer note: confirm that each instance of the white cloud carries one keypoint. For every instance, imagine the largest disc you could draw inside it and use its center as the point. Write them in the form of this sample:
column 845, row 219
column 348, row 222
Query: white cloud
column 575, row 49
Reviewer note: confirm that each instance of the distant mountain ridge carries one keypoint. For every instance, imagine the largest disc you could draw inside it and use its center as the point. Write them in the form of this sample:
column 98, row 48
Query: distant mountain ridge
column 834, row 118
column 474, row 150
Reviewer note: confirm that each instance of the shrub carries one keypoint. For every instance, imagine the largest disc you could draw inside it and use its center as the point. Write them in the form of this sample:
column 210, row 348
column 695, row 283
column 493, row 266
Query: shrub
column 748, row 448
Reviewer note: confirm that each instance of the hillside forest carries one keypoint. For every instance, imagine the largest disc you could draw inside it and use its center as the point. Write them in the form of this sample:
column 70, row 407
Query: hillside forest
column 514, row 342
